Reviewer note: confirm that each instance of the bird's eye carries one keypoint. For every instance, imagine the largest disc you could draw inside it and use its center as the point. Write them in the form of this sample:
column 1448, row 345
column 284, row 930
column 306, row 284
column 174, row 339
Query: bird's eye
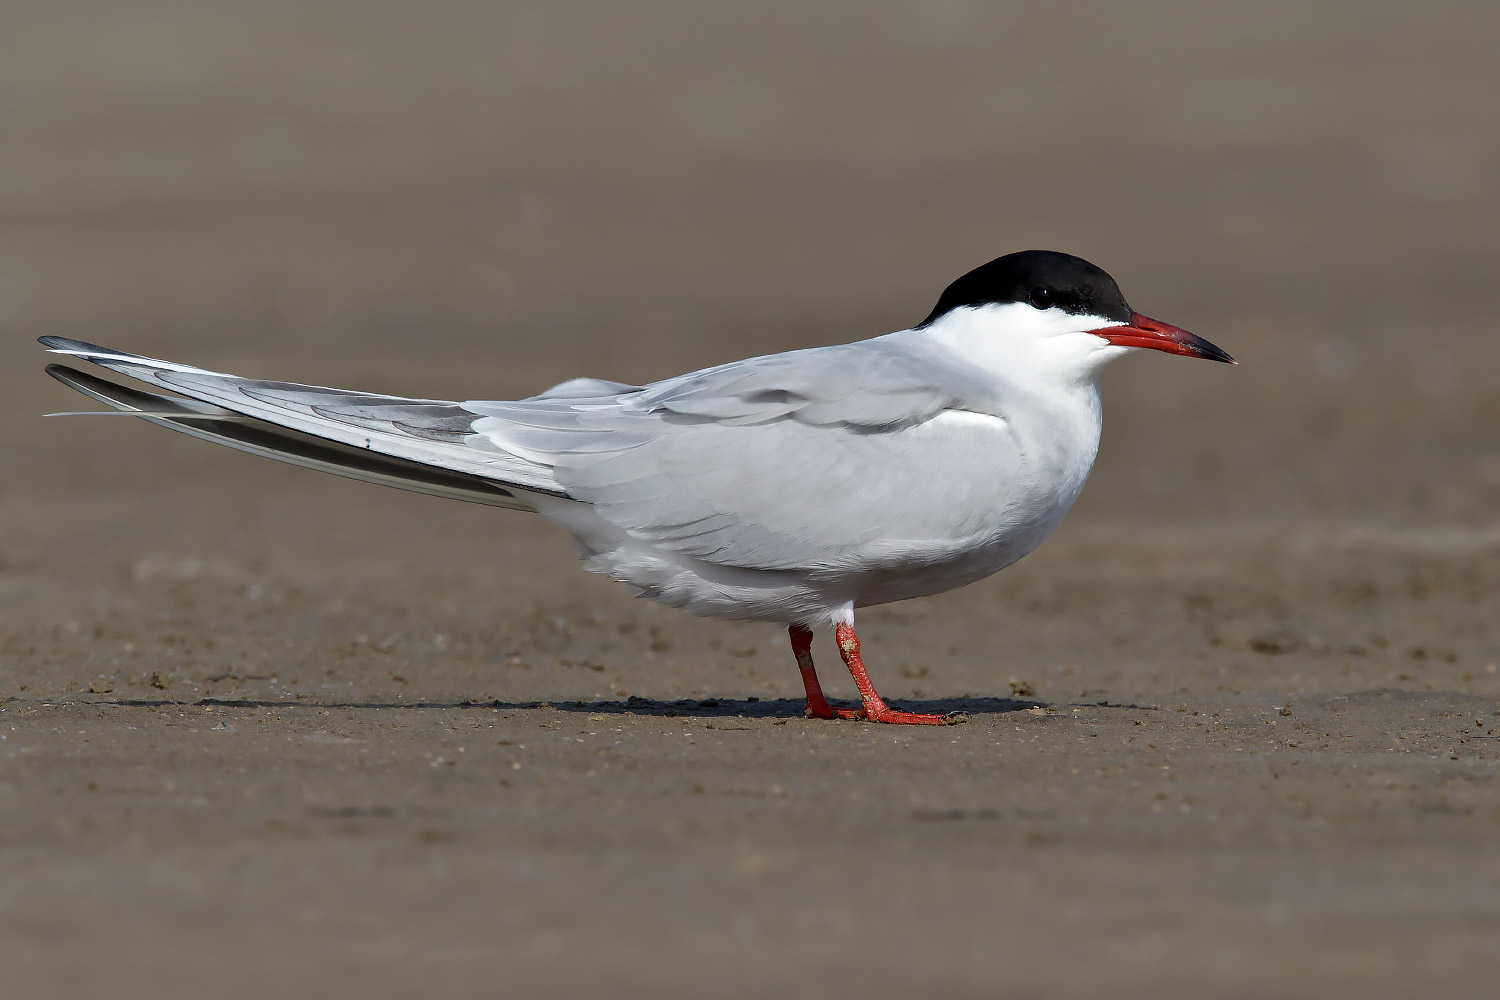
column 1041, row 298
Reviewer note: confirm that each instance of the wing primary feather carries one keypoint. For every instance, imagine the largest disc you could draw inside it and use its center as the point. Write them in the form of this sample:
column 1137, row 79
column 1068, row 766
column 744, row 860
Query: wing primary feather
column 420, row 431
column 257, row 437
column 228, row 418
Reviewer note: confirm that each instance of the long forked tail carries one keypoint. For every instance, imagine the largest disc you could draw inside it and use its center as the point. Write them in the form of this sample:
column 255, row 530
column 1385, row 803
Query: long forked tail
column 418, row 445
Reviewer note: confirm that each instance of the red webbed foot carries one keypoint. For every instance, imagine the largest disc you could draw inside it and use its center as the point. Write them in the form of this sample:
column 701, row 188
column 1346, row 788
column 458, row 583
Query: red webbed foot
column 874, row 709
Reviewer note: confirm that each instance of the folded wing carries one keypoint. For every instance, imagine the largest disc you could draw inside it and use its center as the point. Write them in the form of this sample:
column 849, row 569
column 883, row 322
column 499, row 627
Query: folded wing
column 824, row 457
column 820, row 458
column 428, row 432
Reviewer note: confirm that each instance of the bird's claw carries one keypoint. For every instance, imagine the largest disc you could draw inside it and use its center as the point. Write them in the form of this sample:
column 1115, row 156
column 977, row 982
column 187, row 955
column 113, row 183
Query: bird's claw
column 885, row 716
column 826, row 711
column 892, row 717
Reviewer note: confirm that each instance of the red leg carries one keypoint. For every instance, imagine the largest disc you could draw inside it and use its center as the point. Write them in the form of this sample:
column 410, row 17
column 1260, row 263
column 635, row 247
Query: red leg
column 817, row 705
column 876, row 710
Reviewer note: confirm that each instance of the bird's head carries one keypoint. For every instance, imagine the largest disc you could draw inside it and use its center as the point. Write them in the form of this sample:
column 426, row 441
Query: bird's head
column 1042, row 310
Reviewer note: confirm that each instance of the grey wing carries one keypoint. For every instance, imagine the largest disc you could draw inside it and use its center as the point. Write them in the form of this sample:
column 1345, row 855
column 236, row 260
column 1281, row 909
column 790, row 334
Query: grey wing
column 427, row 431
column 810, row 459
column 214, row 423
column 874, row 384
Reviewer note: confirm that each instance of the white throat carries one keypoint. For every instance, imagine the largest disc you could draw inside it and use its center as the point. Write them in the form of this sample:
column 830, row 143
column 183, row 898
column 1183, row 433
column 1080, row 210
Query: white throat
column 1031, row 349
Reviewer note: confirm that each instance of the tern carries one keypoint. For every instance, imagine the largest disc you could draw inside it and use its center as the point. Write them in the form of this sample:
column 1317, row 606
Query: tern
column 791, row 488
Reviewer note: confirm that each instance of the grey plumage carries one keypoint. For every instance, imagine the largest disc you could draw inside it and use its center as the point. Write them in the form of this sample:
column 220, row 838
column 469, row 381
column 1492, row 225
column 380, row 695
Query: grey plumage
column 417, row 430
column 221, row 426
column 780, row 487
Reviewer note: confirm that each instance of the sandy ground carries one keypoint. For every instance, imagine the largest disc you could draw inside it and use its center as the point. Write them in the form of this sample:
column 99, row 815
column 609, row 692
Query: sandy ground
column 1232, row 731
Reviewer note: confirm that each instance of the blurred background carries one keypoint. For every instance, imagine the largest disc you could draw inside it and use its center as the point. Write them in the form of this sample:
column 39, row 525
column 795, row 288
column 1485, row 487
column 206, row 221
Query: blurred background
column 369, row 192
column 474, row 199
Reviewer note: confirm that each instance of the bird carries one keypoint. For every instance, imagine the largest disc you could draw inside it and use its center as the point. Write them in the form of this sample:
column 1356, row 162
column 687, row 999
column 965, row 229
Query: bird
column 789, row 488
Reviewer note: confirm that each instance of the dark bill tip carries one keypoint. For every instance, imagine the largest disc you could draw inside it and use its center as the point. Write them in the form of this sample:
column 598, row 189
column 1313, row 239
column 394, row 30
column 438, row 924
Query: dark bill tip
column 1154, row 335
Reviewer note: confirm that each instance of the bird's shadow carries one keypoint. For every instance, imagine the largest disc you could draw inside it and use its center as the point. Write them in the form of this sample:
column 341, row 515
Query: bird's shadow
column 713, row 708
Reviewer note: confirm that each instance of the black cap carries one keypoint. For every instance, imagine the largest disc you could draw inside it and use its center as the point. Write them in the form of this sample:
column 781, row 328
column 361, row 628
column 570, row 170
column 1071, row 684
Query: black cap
column 1041, row 278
